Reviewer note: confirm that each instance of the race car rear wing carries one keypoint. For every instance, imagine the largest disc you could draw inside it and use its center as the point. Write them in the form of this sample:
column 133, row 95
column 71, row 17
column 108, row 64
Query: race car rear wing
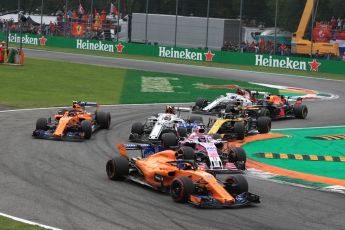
column 86, row 103
column 145, row 149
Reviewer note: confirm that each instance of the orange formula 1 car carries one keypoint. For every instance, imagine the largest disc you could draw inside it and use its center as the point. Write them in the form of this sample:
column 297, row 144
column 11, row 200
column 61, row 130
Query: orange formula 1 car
column 74, row 124
column 176, row 172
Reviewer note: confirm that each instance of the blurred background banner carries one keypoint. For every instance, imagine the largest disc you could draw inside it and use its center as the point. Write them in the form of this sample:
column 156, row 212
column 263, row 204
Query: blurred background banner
column 256, row 26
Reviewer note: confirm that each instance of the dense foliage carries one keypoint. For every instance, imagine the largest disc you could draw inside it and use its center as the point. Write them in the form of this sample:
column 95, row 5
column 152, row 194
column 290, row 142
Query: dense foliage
column 255, row 12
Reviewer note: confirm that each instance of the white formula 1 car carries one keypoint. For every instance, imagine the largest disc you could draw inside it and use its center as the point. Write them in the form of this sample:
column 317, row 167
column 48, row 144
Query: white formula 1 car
column 169, row 122
column 219, row 104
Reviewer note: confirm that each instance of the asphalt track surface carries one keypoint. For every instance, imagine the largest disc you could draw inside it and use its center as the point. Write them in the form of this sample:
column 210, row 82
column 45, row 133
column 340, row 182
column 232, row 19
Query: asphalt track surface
column 64, row 184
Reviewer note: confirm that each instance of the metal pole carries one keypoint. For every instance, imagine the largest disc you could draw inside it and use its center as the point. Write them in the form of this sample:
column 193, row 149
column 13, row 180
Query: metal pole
column 65, row 19
column 240, row 29
column 118, row 21
column 176, row 22
column 207, row 22
column 91, row 19
column 147, row 15
column 312, row 27
column 275, row 27
column 21, row 33
column 42, row 17
column 8, row 34
column 18, row 4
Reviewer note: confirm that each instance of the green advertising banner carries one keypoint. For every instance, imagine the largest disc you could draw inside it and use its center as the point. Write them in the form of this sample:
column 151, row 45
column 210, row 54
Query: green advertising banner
column 189, row 54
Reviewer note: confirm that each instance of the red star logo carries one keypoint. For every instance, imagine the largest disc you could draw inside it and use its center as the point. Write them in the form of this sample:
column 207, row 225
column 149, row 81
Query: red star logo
column 314, row 65
column 43, row 41
column 119, row 47
column 209, row 55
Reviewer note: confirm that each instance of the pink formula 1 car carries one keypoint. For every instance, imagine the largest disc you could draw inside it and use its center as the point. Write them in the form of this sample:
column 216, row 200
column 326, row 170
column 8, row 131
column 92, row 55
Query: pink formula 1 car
column 209, row 151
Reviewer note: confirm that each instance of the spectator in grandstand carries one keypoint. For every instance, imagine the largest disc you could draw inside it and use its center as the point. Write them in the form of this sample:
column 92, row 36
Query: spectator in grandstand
column 333, row 23
column 2, row 51
column 262, row 45
column 257, row 49
column 51, row 28
column 282, row 49
column 339, row 23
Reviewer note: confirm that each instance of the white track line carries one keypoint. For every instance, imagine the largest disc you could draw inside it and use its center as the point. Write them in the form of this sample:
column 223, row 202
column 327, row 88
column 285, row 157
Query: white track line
column 28, row 222
column 118, row 105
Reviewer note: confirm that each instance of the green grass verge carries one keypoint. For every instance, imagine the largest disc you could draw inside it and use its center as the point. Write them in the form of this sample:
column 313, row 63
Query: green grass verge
column 8, row 224
column 209, row 64
column 155, row 87
column 50, row 83
column 41, row 83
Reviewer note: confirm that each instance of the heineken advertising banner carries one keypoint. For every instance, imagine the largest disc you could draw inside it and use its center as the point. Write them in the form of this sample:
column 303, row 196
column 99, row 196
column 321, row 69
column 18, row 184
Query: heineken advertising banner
column 188, row 54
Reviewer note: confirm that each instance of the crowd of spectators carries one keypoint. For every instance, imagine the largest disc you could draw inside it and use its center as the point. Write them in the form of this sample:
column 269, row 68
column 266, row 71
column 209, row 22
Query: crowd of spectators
column 261, row 47
column 71, row 24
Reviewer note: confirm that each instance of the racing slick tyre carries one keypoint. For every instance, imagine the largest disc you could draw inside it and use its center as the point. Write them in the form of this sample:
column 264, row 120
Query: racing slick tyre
column 182, row 132
column 42, row 124
column 103, row 119
column 236, row 184
column 137, row 128
column 196, row 119
column 239, row 157
column 263, row 112
column 264, row 124
column 62, row 111
column 201, row 103
column 229, row 108
column 186, row 153
column 237, row 154
column 239, row 130
column 169, row 140
column 300, row 111
column 181, row 188
column 86, row 128
column 117, row 168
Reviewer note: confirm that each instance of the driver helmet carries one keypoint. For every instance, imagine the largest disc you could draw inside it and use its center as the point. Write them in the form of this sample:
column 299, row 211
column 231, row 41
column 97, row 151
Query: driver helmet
column 77, row 107
column 240, row 91
column 199, row 129
column 170, row 109
column 202, row 139
column 232, row 106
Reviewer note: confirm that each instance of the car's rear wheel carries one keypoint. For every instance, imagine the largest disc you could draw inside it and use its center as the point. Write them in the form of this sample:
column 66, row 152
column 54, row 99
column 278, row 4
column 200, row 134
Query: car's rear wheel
column 236, row 184
column 186, row 153
column 137, row 128
column 181, row 188
column 103, row 119
column 237, row 154
column 264, row 124
column 117, row 168
column 182, row 132
column 42, row 124
column 300, row 111
column 239, row 130
column 86, row 128
column 263, row 112
column 169, row 140
column 62, row 111
column 239, row 157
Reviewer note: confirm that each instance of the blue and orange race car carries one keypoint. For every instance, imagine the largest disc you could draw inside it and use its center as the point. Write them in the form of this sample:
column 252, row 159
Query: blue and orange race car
column 176, row 172
column 278, row 106
column 74, row 124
